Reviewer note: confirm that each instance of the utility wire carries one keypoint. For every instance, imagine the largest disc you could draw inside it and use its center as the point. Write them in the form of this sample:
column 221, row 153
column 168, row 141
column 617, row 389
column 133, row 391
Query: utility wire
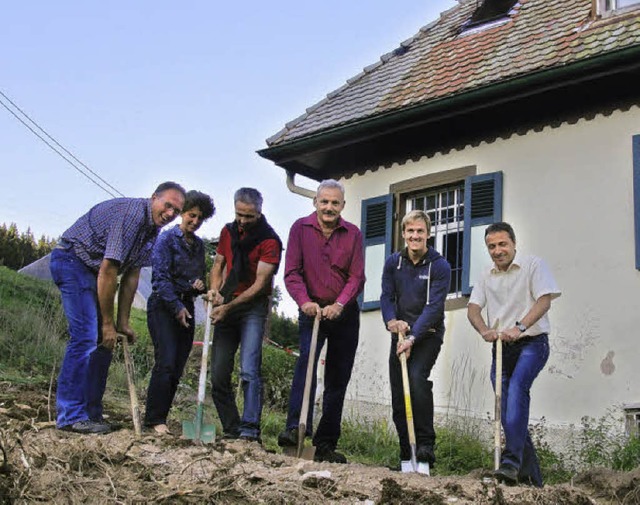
column 113, row 193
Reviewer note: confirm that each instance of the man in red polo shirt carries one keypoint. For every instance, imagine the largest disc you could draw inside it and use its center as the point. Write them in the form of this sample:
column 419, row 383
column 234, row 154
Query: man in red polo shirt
column 324, row 273
column 248, row 256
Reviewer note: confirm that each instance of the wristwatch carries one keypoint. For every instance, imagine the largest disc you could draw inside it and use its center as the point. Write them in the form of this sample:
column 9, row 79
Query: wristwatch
column 521, row 326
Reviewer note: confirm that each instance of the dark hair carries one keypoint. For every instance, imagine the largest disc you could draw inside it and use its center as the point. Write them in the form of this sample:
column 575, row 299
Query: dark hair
column 249, row 196
column 169, row 185
column 501, row 226
column 202, row 201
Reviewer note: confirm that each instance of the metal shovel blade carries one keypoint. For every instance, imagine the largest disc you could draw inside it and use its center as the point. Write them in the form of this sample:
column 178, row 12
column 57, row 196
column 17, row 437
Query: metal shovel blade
column 197, row 430
column 300, row 451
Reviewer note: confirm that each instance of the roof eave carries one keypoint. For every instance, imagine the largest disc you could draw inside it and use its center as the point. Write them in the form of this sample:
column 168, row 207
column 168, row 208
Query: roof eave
column 288, row 155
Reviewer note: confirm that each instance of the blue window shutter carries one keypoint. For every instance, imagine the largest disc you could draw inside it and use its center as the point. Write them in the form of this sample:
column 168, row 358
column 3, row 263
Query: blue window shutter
column 376, row 226
column 636, row 194
column 482, row 207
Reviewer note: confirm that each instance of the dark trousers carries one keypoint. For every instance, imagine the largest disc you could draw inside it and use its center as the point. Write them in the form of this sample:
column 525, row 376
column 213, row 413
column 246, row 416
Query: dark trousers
column 522, row 361
column 341, row 336
column 171, row 347
column 423, row 356
column 85, row 367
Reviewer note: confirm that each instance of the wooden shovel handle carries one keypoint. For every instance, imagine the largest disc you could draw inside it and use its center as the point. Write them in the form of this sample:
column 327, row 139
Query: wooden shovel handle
column 133, row 396
column 407, row 393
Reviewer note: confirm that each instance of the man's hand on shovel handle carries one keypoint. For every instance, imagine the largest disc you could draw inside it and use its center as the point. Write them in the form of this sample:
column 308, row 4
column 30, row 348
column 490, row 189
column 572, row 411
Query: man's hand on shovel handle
column 109, row 336
column 128, row 331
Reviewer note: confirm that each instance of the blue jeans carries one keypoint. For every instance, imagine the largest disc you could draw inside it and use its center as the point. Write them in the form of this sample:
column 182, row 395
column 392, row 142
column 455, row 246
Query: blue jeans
column 85, row 366
column 243, row 327
column 172, row 344
column 522, row 361
column 342, row 341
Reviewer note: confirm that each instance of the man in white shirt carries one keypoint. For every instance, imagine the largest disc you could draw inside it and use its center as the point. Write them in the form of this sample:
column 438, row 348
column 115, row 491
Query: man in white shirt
column 517, row 292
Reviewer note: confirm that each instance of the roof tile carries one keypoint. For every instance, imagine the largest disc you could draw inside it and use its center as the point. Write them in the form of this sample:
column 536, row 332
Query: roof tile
column 439, row 61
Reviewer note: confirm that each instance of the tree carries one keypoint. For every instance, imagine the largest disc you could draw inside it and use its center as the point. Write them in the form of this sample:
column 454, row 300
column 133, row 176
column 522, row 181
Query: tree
column 18, row 250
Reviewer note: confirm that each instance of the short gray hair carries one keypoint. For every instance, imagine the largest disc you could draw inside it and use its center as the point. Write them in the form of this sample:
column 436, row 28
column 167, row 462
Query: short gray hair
column 250, row 196
column 330, row 184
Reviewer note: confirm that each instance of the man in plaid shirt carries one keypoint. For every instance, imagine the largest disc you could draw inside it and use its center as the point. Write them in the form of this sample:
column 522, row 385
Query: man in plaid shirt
column 114, row 238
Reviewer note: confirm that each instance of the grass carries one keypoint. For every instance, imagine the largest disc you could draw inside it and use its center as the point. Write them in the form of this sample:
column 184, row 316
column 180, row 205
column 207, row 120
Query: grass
column 33, row 337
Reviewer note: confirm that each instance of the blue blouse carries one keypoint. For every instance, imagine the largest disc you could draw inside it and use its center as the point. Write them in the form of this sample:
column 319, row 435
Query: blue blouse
column 176, row 264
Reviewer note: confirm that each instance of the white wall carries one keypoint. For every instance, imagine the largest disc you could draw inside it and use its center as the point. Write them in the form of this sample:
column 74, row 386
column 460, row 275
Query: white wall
column 568, row 194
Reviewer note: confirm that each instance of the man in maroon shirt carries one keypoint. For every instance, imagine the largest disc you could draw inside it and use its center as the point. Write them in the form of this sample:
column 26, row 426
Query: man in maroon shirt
column 324, row 273
column 248, row 257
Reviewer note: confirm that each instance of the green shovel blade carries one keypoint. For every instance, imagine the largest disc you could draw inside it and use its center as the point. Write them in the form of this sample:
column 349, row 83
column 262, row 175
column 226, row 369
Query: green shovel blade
column 197, row 430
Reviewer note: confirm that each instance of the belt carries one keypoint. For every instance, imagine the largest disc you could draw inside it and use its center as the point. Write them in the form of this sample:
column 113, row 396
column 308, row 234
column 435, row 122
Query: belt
column 524, row 340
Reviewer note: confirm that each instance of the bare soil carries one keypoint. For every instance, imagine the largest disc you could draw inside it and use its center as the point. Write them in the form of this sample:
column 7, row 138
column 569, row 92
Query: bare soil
column 41, row 464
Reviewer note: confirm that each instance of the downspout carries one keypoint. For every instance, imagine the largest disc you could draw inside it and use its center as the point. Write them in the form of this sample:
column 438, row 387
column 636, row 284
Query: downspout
column 291, row 186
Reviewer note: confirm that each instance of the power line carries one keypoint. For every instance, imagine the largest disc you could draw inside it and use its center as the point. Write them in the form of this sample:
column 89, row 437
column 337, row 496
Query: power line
column 72, row 163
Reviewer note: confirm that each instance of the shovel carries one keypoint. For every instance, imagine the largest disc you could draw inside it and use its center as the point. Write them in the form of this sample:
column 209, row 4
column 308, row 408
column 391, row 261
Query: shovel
column 133, row 396
column 197, row 430
column 300, row 451
column 407, row 406
column 498, row 406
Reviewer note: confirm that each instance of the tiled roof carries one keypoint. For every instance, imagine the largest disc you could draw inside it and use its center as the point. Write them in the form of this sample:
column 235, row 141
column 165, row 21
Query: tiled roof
column 441, row 62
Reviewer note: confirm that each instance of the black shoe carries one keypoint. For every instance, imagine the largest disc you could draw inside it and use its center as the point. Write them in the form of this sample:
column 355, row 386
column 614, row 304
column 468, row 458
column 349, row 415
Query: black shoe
column 506, row 474
column 230, row 436
column 425, row 454
column 329, row 455
column 112, row 426
column 87, row 427
column 288, row 438
column 250, row 438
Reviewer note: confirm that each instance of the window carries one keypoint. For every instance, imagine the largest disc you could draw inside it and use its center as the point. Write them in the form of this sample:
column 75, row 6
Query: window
column 460, row 204
column 445, row 208
column 632, row 419
column 489, row 11
column 605, row 6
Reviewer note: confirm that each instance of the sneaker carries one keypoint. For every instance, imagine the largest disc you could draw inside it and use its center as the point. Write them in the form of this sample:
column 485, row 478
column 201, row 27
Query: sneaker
column 425, row 454
column 506, row 474
column 230, row 436
column 87, row 427
column 288, row 438
column 329, row 456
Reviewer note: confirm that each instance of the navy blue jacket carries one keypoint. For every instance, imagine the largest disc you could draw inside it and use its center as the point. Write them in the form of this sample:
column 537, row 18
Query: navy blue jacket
column 416, row 293
column 175, row 265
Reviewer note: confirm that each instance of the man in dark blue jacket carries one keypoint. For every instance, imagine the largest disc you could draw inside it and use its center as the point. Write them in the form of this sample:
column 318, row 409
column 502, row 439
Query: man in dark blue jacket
column 415, row 284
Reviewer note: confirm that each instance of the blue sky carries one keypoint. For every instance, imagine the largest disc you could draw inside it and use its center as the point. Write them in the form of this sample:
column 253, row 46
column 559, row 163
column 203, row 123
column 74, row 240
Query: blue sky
column 144, row 92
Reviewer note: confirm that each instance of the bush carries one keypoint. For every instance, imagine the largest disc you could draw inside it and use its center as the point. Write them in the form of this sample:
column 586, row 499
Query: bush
column 277, row 375
column 460, row 451
column 627, row 456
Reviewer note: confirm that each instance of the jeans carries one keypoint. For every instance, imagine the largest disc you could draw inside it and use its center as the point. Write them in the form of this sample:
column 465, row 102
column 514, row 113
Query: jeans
column 423, row 356
column 172, row 344
column 522, row 361
column 341, row 336
column 243, row 327
column 85, row 366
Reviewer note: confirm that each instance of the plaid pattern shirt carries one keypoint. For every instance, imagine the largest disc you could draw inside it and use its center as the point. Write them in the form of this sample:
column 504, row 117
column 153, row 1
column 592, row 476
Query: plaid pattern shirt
column 121, row 229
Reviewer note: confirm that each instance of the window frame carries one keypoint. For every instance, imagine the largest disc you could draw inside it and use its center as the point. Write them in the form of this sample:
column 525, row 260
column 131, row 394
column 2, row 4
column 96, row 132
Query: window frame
column 403, row 190
column 601, row 9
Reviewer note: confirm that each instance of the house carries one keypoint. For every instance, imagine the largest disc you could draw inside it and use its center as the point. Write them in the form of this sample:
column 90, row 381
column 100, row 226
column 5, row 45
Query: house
column 524, row 111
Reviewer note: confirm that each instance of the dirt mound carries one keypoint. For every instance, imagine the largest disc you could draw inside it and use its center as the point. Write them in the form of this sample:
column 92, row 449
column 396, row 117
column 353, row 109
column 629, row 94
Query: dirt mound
column 42, row 464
